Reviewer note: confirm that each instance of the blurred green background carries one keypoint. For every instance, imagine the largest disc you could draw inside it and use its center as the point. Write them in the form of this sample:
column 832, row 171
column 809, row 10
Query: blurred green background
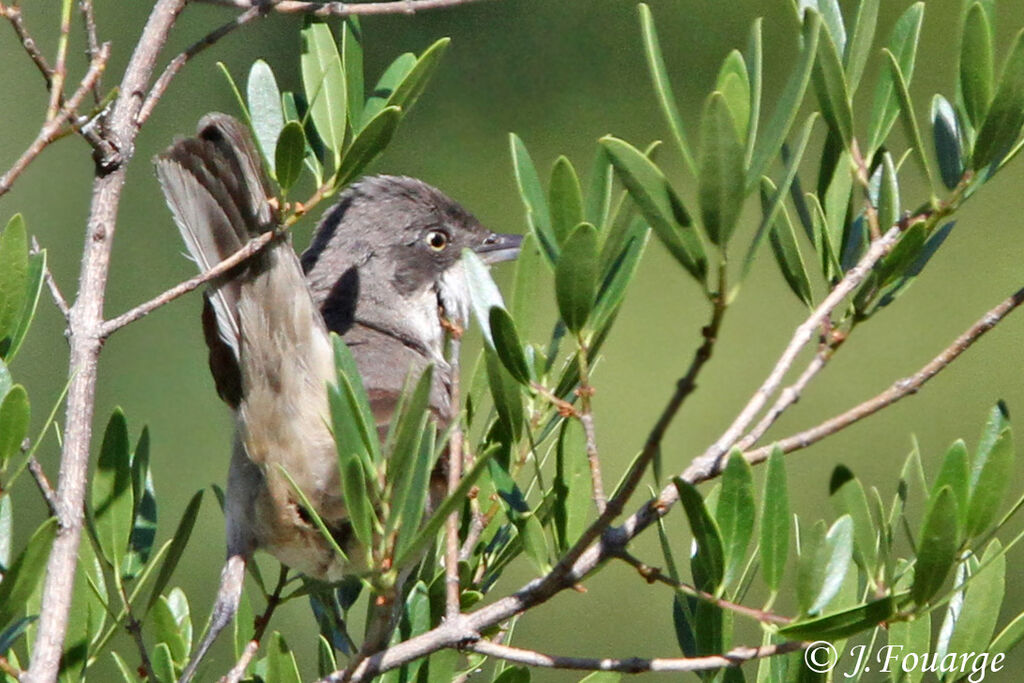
column 559, row 74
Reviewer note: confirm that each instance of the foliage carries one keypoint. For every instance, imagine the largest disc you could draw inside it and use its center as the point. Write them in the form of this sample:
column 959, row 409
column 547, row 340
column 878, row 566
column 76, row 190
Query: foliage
column 531, row 490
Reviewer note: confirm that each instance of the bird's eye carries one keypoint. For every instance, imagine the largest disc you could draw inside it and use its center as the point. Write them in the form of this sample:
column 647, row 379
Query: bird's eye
column 437, row 240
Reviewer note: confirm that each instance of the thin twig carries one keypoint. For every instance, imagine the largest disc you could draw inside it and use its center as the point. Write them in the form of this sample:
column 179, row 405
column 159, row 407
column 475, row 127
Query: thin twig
column 586, row 417
column 52, row 128
column 60, row 67
column 179, row 61
column 253, row 646
column 654, row 575
column 633, row 665
column 92, row 41
column 453, row 606
column 9, row 669
column 45, row 488
column 341, row 9
column 51, row 284
column 13, row 14
column 135, row 629
column 709, row 460
column 248, row 250
column 899, row 389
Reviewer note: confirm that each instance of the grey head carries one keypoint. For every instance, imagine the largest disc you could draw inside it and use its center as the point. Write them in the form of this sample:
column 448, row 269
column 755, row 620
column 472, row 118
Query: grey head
column 387, row 256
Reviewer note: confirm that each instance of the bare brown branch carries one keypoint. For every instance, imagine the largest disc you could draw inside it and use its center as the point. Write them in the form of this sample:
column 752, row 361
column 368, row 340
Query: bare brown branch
column 452, row 601
column 51, row 284
column 340, row 9
column 51, row 130
column 251, row 248
column 586, row 417
column 43, row 484
column 175, row 65
column 13, row 14
column 633, row 665
column 253, row 646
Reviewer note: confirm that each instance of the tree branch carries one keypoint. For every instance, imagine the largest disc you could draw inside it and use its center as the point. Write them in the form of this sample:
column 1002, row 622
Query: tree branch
column 340, row 9
column 253, row 646
column 179, row 61
column 633, row 665
column 43, row 484
column 51, row 284
column 586, row 416
column 52, row 128
column 13, row 14
column 252, row 247
column 899, row 389
column 86, row 340
column 60, row 67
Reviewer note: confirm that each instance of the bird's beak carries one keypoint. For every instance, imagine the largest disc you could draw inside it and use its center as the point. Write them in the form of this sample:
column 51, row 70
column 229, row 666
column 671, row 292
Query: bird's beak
column 498, row 247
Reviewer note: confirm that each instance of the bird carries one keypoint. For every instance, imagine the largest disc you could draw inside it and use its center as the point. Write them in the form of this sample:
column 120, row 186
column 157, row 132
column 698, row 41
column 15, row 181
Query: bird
column 384, row 270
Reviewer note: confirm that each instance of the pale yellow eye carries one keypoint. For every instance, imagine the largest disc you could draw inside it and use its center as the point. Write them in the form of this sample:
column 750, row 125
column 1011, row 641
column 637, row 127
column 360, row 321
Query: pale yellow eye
column 437, row 240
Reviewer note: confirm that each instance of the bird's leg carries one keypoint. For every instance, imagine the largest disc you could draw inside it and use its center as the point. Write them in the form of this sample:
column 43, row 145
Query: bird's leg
column 232, row 577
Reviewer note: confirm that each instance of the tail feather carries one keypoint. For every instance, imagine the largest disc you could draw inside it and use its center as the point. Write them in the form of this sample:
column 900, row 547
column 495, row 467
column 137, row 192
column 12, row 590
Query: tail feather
column 217, row 191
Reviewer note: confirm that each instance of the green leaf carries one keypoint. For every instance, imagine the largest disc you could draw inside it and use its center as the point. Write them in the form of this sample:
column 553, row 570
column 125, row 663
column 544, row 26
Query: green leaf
column 519, row 513
column 178, row 543
column 144, row 516
column 13, row 280
column 834, row 559
column 264, row 99
column 903, row 45
column 708, row 560
column 785, row 247
column 948, row 147
column 324, row 82
column 396, row 72
column 734, row 84
column 369, row 143
column 289, row 154
column 598, row 195
column 112, row 500
column 734, row 514
column 858, row 48
column 36, row 271
column 408, row 434
column 618, row 275
column 572, row 484
column 163, row 664
column 982, row 601
column 774, row 534
column 565, row 199
column 9, row 636
column 314, row 152
column 659, row 204
column 841, row 624
column 937, row 546
column 909, row 118
column 526, row 284
column 412, row 85
column 350, row 383
column 833, row 92
column 514, row 674
column 1009, row 637
column 888, row 194
column 913, row 636
column 850, row 499
column 720, row 183
column 996, row 473
column 775, row 133
column 528, row 182
column 1006, row 115
column 508, row 400
column 977, row 63
column 507, row 344
column 418, row 487
column 281, row 664
column 26, row 572
column 357, row 500
column 168, row 630
column 433, row 524
column 755, row 76
column 602, row 677
column 955, row 473
column 662, row 86
column 14, row 417
column 352, row 64
column 576, row 277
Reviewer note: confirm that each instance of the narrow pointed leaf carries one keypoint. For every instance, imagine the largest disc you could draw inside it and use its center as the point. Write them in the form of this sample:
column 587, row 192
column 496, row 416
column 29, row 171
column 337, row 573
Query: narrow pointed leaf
column 837, row 552
column 180, row 540
column 26, row 572
column 937, row 546
column 112, row 499
column 785, row 247
column 842, row 624
column 264, row 99
column 903, row 45
column 396, row 72
column 734, row 84
column 13, row 279
column 888, row 194
column 1006, row 115
column 774, row 534
column 709, row 560
column 948, row 147
column 955, row 473
column 977, row 63
column 662, row 86
column 34, row 286
column 659, row 204
column 576, row 277
column 352, row 64
column 851, row 500
column 909, row 118
column 565, row 199
column 14, row 417
column 289, row 154
column 720, row 183
column 324, row 82
column 572, row 484
column 409, row 431
column 505, row 391
column 507, row 344
column 415, row 81
column 532, row 194
column 993, row 481
column 419, row 486
column 755, row 76
column 281, row 664
column 368, row 145
column 858, row 48
column 980, row 611
column 833, row 92
column 734, row 514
